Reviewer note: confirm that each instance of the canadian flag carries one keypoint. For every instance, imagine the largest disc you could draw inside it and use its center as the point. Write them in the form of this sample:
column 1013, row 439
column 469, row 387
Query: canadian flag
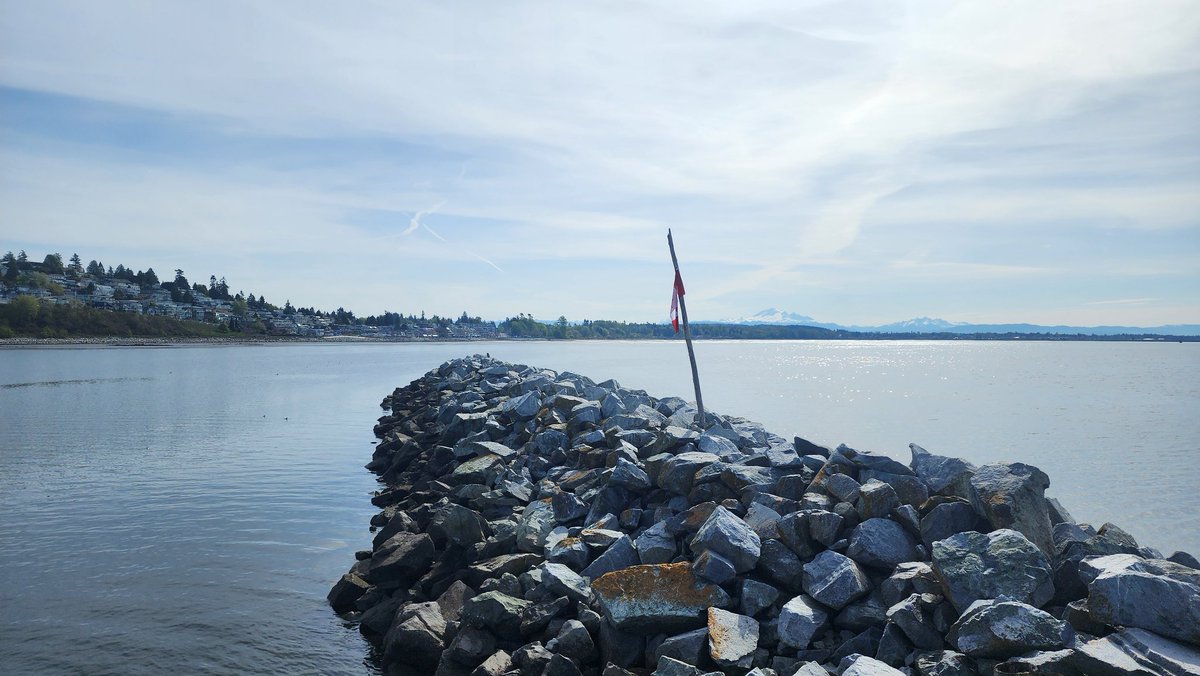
column 676, row 292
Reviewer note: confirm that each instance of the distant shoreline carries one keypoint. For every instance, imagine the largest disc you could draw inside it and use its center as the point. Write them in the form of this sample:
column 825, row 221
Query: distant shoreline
column 155, row 341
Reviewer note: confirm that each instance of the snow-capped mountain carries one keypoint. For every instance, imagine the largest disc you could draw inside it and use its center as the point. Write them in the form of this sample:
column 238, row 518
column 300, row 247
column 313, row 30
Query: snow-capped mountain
column 920, row 325
column 773, row 316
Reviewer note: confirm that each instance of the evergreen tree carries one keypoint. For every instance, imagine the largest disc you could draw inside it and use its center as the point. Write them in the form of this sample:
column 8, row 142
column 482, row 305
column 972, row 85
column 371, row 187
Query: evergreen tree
column 76, row 266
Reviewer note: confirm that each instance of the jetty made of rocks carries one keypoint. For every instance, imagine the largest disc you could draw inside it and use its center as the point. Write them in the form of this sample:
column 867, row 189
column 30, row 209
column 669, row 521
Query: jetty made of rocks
column 536, row 523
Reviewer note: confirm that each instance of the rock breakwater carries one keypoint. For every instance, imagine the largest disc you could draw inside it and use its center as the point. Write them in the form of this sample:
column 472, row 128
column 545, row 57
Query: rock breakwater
column 537, row 523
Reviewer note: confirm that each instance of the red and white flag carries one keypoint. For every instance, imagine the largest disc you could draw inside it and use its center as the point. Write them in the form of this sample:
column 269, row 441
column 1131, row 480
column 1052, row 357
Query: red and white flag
column 676, row 292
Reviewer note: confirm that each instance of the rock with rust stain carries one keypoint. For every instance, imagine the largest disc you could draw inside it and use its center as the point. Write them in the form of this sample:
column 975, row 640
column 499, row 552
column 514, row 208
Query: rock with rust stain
column 657, row 598
column 732, row 638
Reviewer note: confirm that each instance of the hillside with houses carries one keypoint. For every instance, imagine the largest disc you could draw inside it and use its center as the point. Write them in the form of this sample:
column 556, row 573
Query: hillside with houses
column 56, row 299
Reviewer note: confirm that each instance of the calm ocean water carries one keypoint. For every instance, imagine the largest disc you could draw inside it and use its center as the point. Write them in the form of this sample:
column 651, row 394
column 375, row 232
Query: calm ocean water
column 187, row 508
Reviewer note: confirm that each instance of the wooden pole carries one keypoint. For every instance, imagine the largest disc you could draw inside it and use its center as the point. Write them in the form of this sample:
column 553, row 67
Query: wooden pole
column 687, row 335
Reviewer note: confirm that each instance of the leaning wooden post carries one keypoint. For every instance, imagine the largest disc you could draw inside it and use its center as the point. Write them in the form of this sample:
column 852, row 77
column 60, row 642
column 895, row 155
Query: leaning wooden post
column 677, row 294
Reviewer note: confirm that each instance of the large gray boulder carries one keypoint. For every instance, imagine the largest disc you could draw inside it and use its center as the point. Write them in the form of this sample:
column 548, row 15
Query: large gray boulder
column 406, row 555
column 1012, row 495
column 1003, row 629
column 417, row 636
column 495, row 611
column 835, row 580
column 943, row 475
column 881, row 543
column 679, row 473
column 726, row 534
column 799, row 622
column 457, row 525
column 1153, row 594
column 651, row 599
column 974, row 566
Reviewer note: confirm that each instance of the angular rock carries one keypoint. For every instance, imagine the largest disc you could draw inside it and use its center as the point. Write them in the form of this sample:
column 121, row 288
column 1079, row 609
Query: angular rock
column 779, row 565
column 914, row 616
column 499, row 565
column 621, row 554
column 843, row 487
column 668, row 666
column 561, row 665
column 628, row 475
column 457, row 525
column 405, row 555
column 974, row 566
column 571, row 552
column 417, row 636
column 574, row 641
column 861, row 665
column 532, row 658
column 496, row 611
column 943, row 475
column 1003, row 629
column 876, row 500
column 713, row 567
column 345, row 592
column 534, row 618
column 689, row 647
column 799, row 622
column 536, row 523
column 732, row 638
column 948, row 519
column 656, row 545
column 656, row 598
column 945, row 663
column 1012, row 496
column 496, row 665
column 471, row 646
column 1131, row 652
column 824, row 527
column 881, row 543
column 729, row 536
column 1153, row 594
column 834, row 580
column 679, row 473
column 559, row 579
column 756, row 597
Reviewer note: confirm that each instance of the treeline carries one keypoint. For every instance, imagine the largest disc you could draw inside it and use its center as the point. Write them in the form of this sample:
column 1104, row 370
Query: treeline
column 524, row 326
column 25, row 316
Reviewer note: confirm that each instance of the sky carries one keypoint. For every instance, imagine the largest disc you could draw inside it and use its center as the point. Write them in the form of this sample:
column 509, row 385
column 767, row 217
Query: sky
column 856, row 162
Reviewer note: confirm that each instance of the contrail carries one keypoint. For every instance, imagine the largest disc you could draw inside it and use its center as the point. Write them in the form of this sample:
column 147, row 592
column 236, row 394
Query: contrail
column 430, row 231
column 486, row 261
column 415, row 222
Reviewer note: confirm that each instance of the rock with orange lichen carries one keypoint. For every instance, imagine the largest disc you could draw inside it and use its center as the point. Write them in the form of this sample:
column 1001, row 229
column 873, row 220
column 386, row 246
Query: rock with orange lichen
column 657, row 598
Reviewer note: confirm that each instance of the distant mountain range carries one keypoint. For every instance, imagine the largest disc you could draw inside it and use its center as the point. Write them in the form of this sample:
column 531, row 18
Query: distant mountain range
column 772, row 316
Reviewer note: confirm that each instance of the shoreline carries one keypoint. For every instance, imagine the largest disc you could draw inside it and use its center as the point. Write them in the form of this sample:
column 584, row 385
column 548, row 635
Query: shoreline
column 153, row 341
